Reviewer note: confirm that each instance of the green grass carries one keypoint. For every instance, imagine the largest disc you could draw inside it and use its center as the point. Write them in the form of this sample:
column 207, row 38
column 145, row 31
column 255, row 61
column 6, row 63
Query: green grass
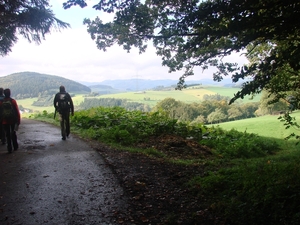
column 268, row 127
column 27, row 103
column 186, row 95
column 154, row 96
column 230, row 93
column 265, row 126
column 150, row 98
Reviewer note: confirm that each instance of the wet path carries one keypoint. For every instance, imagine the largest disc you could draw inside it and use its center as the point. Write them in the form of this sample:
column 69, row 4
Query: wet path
column 51, row 181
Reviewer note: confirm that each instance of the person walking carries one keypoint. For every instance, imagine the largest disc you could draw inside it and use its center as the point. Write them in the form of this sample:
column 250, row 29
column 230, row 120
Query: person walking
column 63, row 104
column 10, row 120
column 2, row 133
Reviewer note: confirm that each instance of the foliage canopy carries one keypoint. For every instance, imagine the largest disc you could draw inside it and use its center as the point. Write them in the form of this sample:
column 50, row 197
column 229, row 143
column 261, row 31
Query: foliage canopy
column 189, row 33
column 32, row 19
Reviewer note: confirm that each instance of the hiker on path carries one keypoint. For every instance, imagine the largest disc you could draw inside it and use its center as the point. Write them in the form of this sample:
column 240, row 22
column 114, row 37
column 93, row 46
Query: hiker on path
column 2, row 133
column 10, row 120
column 63, row 104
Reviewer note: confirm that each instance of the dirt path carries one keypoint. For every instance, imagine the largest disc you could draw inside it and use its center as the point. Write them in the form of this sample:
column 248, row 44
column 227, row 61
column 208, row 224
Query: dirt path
column 50, row 181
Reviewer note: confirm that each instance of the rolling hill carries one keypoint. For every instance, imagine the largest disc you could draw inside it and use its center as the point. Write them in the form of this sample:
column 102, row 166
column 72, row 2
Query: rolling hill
column 31, row 84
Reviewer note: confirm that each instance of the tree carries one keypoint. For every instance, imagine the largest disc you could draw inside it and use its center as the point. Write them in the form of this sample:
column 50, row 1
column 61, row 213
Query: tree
column 170, row 106
column 268, row 106
column 189, row 33
column 199, row 120
column 216, row 116
column 249, row 109
column 32, row 19
column 234, row 112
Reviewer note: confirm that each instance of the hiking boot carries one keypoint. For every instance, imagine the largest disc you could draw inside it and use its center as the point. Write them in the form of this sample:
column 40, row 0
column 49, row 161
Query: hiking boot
column 63, row 138
column 16, row 147
column 9, row 149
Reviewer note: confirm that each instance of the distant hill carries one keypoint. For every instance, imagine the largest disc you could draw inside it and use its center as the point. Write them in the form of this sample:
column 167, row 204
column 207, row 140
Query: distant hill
column 104, row 89
column 143, row 84
column 31, row 84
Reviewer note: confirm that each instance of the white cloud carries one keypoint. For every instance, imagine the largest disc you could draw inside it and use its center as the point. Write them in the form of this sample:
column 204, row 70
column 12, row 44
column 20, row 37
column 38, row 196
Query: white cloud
column 72, row 54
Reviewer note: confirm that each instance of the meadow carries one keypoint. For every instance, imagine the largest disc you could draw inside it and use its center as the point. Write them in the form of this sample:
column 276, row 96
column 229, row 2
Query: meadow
column 153, row 97
column 230, row 93
column 27, row 103
column 150, row 98
column 266, row 126
column 188, row 95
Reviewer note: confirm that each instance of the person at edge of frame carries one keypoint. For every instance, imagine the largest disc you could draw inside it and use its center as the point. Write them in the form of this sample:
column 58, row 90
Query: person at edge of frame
column 2, row 133
column 11, row 125
column 61, row 98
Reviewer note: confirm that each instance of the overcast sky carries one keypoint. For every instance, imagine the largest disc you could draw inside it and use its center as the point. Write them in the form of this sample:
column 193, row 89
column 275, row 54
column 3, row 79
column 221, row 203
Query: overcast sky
column 72, row 54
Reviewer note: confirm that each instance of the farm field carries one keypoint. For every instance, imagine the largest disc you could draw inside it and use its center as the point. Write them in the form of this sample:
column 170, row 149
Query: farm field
column 153, row 97
column 266, row 126
column 27, row 103
column 230, row 93
column 150, row 98
column 187, row 95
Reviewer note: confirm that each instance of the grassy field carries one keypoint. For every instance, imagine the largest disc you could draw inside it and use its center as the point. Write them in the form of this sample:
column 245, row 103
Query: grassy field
column 27, row 103
column 266, row 126
column 230, row 93
column 150, row 98
column 153, row 97
column 187, row 95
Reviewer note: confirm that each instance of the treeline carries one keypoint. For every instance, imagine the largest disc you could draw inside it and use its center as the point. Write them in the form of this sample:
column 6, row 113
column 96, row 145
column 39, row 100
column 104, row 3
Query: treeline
column 216, row 109
column 111, row 102
column 213, row 109
column 28, row 85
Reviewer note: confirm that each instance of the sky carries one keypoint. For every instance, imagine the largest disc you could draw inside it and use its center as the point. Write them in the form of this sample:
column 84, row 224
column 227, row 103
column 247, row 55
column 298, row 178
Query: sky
column 72, row 54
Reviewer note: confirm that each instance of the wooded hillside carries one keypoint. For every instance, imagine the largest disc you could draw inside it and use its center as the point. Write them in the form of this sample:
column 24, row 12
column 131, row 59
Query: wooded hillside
column 31, row 84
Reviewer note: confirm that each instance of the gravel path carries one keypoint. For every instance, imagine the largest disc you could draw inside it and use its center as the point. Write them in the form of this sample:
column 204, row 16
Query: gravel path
column 51, row 181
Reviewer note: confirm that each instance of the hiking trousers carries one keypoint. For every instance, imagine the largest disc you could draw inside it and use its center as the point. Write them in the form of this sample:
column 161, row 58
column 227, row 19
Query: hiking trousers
column 11, row 137
column 64, row 124
column 2, row 134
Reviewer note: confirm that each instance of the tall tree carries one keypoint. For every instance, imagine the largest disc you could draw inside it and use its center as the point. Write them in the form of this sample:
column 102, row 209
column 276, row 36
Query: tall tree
column 216, row 116
column 189, row 33
column 234, row 112
column 269, row 106
column 32, row 19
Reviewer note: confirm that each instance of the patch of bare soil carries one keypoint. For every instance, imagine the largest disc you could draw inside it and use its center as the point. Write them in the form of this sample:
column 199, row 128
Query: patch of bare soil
column 157, row 189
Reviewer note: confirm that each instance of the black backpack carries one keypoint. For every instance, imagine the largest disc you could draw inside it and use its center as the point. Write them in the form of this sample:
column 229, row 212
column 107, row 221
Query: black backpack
column 63, row 103
column 7, row 110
